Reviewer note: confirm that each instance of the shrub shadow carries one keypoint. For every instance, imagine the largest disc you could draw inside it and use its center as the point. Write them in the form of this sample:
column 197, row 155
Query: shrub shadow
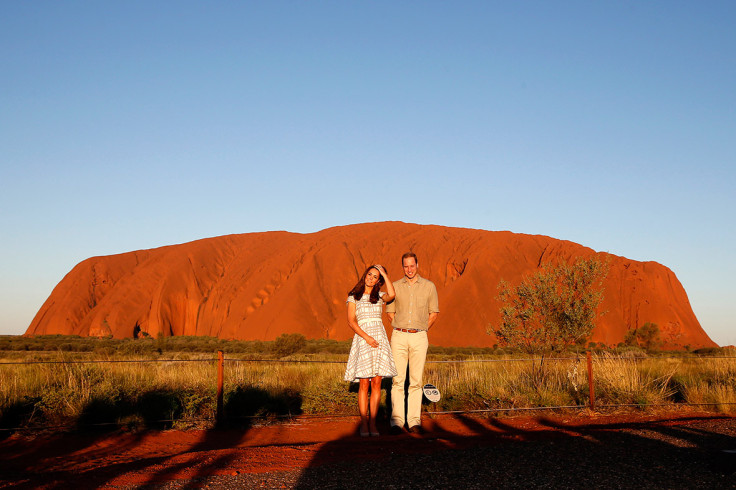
column 19, row 461
column 245, row 404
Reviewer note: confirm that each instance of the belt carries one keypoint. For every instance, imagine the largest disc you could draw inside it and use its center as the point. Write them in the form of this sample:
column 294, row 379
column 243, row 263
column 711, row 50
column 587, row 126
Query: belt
column 408, row 330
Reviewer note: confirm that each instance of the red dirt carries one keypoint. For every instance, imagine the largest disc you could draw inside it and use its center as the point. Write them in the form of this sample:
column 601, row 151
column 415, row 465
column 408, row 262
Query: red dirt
column 257, row 286
column 134, row 459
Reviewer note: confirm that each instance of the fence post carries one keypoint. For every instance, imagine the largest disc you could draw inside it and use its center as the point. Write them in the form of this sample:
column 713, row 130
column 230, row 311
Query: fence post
column 591, row 384
column 220, row 383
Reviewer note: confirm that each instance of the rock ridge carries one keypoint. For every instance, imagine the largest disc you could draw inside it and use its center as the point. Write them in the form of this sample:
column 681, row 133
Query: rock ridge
column 260, row 285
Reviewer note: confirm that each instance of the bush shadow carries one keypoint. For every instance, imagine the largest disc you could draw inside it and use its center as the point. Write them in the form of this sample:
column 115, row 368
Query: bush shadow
column 115, row 451
column 245, row 404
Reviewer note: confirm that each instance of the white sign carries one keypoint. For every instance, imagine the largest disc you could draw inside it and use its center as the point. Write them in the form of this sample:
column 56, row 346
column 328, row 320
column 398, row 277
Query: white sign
column 432, row 393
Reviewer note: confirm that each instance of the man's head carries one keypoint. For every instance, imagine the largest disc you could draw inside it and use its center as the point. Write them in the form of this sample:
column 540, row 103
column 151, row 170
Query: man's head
column 410, row 263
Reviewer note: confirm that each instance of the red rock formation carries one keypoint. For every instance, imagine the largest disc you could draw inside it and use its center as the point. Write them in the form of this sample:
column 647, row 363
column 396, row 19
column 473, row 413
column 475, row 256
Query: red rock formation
column 260, row 285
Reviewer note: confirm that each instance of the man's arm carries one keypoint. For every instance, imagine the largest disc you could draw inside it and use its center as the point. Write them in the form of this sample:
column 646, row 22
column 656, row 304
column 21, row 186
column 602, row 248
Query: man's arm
column 434, row 307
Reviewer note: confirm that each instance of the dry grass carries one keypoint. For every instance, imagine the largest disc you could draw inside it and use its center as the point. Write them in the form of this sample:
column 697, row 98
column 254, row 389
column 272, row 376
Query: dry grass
column 183, row 392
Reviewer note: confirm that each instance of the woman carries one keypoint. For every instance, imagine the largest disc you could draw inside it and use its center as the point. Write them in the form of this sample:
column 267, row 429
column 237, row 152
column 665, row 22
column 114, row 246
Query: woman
column 370, row 355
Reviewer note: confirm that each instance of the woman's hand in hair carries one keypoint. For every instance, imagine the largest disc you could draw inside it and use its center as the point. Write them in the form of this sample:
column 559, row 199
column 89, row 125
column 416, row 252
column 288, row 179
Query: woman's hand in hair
column 380, row 269
column 390, row 293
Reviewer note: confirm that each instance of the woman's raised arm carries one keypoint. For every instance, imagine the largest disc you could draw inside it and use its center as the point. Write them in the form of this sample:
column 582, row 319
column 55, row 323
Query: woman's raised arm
column 390, row 293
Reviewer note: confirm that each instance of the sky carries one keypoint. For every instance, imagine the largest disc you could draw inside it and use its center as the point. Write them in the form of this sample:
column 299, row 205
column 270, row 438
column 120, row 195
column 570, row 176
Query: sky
column 137, row 124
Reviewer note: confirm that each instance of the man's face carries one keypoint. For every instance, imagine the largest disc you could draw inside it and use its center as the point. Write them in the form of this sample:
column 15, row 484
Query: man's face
column 410, row 267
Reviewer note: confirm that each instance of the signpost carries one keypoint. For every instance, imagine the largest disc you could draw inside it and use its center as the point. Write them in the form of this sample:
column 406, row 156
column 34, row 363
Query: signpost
column 432, row 393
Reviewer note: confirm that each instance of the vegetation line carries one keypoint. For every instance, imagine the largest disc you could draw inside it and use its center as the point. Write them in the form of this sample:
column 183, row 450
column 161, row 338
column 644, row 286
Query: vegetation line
column 107, row 361
column 315, row 361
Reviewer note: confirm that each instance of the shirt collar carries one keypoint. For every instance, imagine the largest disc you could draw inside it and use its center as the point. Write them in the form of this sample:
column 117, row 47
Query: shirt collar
column 406, row 281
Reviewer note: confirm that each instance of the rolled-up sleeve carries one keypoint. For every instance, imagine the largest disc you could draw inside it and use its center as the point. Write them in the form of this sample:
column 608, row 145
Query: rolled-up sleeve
column 434, row 302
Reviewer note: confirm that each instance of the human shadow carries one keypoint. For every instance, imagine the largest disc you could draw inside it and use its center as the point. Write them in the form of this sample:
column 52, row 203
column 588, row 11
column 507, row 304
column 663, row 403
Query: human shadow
column 14, row 415
column 104, row 456
column 476, row 452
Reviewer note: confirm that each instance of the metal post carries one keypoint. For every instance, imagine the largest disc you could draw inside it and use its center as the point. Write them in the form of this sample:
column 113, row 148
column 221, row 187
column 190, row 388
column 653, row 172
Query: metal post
column 220, row 383
column 591, row 384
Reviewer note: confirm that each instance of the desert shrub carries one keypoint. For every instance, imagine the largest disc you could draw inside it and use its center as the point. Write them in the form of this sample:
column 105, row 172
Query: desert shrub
column 630, row 352
column 622, row 380
column 709, row 351
column 647, row 336
column 553, row 309
column 287, row 344
column 327, row 346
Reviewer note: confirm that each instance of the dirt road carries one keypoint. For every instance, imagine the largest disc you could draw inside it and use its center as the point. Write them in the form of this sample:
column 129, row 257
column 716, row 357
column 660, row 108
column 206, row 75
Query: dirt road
column 671, row 450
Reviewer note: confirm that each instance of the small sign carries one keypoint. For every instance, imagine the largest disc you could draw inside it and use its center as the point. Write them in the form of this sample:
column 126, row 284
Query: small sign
column 432, row 393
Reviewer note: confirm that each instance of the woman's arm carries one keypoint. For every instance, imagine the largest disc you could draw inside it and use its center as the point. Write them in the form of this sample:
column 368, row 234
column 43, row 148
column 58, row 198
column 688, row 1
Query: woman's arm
column 353, row 323
column 390, row 293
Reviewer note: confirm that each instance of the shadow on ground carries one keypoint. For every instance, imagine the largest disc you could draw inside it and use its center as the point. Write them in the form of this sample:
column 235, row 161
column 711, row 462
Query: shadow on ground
column 58, row 460
column 550, row 453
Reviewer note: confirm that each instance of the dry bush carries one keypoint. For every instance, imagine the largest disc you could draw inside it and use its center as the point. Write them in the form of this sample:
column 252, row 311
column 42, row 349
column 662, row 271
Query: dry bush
column 621, row 380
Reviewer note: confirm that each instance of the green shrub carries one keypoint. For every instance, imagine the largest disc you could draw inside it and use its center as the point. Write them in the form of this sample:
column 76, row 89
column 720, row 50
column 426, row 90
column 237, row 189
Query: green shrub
column 289, row 343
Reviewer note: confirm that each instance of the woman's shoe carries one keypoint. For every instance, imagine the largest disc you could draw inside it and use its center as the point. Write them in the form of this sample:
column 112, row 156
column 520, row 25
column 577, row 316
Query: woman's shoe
column 375, row 434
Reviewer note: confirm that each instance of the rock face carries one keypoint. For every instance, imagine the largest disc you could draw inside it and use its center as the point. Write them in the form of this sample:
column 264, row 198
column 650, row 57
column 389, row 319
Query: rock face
column 260, row 285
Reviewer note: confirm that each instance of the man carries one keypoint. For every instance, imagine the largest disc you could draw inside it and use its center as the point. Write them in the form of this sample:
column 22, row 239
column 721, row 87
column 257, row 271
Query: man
column 412, row 313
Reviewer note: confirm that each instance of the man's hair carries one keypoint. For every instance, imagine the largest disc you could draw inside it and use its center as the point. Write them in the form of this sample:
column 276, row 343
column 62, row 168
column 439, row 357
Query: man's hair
column 407, row 255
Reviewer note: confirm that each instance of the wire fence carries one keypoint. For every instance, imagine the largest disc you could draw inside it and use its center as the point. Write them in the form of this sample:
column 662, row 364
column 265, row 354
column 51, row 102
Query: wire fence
column 430, row 409
column 317, row 361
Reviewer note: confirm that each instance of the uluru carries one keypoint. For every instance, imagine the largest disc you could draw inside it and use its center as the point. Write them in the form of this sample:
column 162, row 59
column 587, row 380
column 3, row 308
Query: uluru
column 256, row 286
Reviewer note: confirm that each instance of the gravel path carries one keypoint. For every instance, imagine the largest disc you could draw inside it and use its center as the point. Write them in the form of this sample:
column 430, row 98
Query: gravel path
column 685, row 454
column 561, row 451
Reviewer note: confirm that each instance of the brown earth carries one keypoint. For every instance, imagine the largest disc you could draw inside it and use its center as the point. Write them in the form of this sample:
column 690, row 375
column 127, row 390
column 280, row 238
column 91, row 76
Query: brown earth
column 625, row 450
column 260, row 285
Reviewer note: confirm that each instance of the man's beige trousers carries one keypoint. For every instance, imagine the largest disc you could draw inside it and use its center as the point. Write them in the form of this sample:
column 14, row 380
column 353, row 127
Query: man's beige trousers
column 411, row 348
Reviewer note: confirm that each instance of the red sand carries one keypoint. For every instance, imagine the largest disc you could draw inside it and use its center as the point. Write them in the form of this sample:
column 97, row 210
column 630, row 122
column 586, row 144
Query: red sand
column 124, row 459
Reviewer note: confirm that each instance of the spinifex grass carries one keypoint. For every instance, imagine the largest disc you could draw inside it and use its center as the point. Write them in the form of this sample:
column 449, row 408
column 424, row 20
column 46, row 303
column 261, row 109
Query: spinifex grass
column 708, row 381
column 640, row 382
column 506, row 383
column 64, row 393
column 166, row 393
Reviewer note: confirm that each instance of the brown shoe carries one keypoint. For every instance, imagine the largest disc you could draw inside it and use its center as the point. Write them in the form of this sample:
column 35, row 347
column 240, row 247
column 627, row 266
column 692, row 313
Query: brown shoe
column 416, row 429
column 396, row 430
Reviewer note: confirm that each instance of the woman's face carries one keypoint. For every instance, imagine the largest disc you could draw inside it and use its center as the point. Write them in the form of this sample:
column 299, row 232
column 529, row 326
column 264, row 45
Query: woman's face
column 371, row 278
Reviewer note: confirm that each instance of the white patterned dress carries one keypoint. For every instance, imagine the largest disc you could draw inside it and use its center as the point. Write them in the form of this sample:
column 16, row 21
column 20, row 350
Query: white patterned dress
column 365, row 361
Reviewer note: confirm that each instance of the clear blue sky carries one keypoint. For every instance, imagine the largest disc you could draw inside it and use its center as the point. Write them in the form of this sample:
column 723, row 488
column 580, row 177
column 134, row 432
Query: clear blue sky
column 131, row 125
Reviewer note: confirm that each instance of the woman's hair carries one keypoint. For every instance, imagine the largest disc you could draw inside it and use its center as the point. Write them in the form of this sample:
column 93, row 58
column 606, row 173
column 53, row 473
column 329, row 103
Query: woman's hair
column 359, row 289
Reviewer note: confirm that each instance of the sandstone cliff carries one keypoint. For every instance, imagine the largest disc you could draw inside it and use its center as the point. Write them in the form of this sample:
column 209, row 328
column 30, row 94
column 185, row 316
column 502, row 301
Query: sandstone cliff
column 260, row 285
